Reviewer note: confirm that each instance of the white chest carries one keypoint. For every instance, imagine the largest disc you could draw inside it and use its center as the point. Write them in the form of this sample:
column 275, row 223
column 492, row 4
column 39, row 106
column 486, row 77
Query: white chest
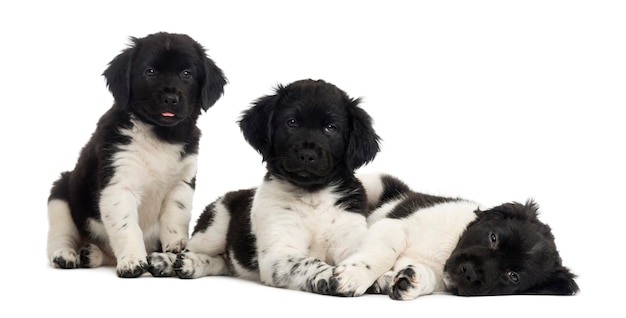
column 150, row 168
column 310, row 221
column 150, row 163
column 312, row 211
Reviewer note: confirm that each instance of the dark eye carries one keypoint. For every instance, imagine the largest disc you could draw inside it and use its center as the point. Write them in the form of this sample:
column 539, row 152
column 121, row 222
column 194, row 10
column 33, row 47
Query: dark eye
column 186, row 74
column 150, row 72
column 513, row 277
column 293, row 123
column 493, row 240
column 330, row 129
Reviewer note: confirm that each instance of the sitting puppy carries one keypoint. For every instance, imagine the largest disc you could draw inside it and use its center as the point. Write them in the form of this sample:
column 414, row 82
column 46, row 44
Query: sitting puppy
column 131, row 190
column 309, row 211
column 418, row 244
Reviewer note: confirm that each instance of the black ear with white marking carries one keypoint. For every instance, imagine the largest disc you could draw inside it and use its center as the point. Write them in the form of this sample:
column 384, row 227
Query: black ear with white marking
column 256, row 124
column 212, row 85
column 363, row 144
column 117, row 74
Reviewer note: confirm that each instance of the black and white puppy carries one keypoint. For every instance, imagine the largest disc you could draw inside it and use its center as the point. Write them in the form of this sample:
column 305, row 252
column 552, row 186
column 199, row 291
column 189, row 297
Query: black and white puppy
column 418, row 244
column 131, row 190
column 310, row 210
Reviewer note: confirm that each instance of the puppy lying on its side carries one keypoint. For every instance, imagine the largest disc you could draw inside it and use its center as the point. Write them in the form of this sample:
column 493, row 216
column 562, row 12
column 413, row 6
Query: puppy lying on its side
column 418, row 244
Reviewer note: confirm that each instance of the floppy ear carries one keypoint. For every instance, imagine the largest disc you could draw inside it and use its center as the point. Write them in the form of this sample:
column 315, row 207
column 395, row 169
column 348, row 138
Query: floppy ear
column 560, row 282
column 256, row 124
column 363, row 143
column 117, row 74
column 213, row 82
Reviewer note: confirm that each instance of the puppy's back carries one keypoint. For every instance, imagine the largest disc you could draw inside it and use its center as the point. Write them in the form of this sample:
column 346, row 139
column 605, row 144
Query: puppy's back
column 382, row 188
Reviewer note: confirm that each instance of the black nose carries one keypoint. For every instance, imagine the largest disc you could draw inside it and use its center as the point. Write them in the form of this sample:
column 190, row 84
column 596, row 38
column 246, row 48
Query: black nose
column 307, row 155
column 467, row 270
column 169, row 99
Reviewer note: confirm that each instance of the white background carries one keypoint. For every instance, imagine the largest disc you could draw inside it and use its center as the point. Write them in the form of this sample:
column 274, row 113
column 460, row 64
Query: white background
column 489, row 100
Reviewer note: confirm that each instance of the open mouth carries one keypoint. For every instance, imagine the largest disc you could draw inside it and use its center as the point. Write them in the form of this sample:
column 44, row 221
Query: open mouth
column 167, row 119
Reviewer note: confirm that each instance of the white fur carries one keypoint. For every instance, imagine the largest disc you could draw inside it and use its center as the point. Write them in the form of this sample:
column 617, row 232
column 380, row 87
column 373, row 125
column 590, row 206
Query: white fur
column 63, row 236
column 421, row 241
column 147, row 200
column 204, row 255
column 373, row 186
column 295, row 228
column 299, row 237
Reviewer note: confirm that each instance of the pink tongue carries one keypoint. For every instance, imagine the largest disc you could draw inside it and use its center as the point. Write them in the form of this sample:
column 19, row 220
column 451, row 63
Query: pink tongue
column 167, row 114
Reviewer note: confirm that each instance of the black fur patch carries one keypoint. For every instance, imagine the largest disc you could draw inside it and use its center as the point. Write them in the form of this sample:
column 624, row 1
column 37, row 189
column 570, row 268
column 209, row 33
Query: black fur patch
column 393, row 189
column 240, row 239
column 416, row 201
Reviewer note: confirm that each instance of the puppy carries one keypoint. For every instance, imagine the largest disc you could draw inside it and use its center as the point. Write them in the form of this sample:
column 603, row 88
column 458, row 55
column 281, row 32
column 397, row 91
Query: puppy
column 309, row 211
column 418, row 244
column 132, row 187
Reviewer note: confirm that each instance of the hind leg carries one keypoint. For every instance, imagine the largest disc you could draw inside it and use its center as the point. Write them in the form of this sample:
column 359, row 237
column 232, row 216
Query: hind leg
column 203, row 255
column 92, row 256
column 192, row 263
column 161, row 264
column 63, row 236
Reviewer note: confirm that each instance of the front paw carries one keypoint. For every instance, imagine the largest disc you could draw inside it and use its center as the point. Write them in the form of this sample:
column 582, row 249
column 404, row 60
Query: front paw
column 65, row 258
column 321, row 282
column 91, row 256
column 185, row 264
column 131, row 266
column 176, row 246
column 161, row 264
column 351, row 279
column 412, row 282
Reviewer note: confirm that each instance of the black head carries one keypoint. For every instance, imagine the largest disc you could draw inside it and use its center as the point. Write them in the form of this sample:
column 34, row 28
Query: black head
column 164, row 79
column 507, row 250
column 310, row 133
